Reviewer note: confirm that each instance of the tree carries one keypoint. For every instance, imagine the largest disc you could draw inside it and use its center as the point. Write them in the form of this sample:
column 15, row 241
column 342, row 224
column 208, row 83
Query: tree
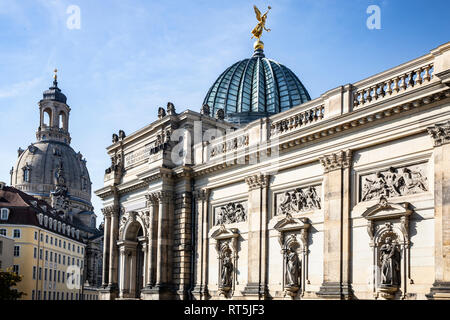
column 9, row 279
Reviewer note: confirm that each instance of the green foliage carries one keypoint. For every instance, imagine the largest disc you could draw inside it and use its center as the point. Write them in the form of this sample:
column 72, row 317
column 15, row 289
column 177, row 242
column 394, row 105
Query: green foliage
column 9, row 279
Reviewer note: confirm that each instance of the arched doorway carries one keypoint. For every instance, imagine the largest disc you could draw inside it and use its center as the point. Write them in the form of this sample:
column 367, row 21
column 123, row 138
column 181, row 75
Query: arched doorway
column 132, row 257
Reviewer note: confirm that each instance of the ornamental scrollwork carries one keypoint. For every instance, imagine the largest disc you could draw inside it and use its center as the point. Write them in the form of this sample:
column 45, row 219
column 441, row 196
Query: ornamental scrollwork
column 394, row 182
column 298, row 200
column 231, row 213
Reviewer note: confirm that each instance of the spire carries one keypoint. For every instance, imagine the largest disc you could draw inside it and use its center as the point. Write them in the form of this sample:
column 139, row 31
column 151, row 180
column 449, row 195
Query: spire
column 55, row 78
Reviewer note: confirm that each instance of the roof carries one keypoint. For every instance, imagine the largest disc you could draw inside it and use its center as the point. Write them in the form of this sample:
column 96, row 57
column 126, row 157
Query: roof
column 255, row 88
column 24, row 210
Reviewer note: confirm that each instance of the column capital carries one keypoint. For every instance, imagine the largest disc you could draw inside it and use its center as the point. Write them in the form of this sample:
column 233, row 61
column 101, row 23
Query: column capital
column 108, row 211
column 258, row 180
column 440, row 133
column 152, row 199
column 338, row 160
column 202, row 194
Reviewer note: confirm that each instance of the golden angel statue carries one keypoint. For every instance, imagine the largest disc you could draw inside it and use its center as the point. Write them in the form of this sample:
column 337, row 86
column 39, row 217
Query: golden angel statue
column 258, row 30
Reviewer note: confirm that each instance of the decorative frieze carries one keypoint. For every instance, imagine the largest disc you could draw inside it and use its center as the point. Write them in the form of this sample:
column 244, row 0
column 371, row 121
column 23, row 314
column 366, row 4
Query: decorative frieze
column 110, row 210
column 394, row 182
column 440, row 133
column 230, row 213
column 202, row 194
column 298, row 200
column 258, row 181
column 229, row 145
column 339, row 160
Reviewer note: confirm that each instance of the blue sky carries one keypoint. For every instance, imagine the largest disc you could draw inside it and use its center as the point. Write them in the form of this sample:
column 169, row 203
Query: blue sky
column 129, row 57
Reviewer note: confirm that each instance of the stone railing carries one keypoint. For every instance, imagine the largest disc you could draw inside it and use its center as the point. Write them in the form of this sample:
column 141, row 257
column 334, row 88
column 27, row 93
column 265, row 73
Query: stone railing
column 299, row 119
column 230, row 142
column 402, row 81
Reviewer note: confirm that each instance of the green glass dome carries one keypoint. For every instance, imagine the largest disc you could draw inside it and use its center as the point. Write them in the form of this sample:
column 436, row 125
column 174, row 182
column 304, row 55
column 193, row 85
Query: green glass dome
column 254, row 88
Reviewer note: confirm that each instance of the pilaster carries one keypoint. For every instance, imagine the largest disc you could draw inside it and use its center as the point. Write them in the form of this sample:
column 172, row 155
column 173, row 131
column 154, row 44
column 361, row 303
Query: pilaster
column 441, row 136
column 336, row 184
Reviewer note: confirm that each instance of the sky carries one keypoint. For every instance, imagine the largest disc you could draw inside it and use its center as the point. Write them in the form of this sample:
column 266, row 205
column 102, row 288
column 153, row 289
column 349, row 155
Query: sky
column 126, row 58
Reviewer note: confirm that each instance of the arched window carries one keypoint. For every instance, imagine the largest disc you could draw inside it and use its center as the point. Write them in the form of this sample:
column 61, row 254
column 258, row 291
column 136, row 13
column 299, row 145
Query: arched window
column 62, row 120
column 47, row 117
column 26, row 173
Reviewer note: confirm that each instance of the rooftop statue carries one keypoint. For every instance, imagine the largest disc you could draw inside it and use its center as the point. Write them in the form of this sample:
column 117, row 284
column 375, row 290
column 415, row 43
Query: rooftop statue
column 261, row 26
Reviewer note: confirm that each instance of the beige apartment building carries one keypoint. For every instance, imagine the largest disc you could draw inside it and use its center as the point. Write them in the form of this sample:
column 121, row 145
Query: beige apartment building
column 48, row 250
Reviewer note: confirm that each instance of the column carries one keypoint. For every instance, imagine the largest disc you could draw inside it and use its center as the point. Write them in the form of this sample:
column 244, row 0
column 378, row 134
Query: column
column 441, row 153
column 113, row 252
column 122, row 271
column 257, row 216
column 106, row 238
column 336, row 188
column 200, row 290
column 132, row 272
column 145, row 266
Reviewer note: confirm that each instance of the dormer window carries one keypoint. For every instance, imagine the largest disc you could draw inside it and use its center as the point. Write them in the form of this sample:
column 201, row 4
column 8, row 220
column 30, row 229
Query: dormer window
column 78, row 234
column 59, row 226
column 54, row 225
column 44, row 208
column 64, row 228
column 45, row 221
column 26, row 173
column 73, row 232
column 4, row 214
column 50, row 223
column 33, row 203
column 40, row 218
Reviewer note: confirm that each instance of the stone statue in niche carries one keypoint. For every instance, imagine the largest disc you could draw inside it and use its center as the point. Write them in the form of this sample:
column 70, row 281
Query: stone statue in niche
column 226, row 272
column 231, row 213
column 299, row 200
column 292, row 274
column 393, row 183
column 390, row 263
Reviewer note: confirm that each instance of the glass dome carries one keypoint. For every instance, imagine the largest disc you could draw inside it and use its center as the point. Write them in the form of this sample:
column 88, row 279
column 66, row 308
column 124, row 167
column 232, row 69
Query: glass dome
column 255, row 88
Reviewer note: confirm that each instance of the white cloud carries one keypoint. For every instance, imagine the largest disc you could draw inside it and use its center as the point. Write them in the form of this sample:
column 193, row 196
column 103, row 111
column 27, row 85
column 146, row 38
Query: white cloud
column 19, row 88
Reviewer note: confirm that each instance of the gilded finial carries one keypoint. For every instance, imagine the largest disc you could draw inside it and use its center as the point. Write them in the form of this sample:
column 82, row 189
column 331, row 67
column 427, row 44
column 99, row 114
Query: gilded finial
column 260, row 27
column 55, row 76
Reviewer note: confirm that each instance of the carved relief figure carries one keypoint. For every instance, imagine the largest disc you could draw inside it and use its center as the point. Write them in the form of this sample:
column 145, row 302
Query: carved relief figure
column 299, row 200
column 390, row 263
column 230, row 213
column 226, row 271
column 393, row 183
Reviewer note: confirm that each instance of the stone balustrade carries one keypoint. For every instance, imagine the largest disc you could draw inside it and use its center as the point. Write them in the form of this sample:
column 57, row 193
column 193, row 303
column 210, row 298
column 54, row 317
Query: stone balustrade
column 297, row 120
column 399, row 83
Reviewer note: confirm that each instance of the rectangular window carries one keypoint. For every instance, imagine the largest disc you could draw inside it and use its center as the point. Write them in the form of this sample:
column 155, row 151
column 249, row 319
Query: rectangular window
column 16, row 268
column 59, row 276
column 71, row 296
column 51, row 256
column 51, row 240
column 54, row 295
column 39, row 295
column 1, row 247
column 63, row 276
column 16, row 233
column 54, row 275
column 59, row 258
column 40, row 254
column 46, row 255
column 35, row 235
column 50, row 275
column 42, row 239
column 76, row 296
column 45, row 295
column 34, row 272
column 73, row 261
column 45, row 274
column 64, row 260
column 3, row 232
column 78, row 262
column 78, row 249
column 57, row 296
column 60, row 243
column 35, row 253
column 67, row 296
column 46, row 238
column 4, row 213
column 32, row 295
column 40, row 275
column 16, row 251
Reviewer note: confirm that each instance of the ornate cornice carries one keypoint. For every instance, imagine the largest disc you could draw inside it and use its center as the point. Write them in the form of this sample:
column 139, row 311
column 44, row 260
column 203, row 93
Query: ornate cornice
column 339, row 160
column 256, row 181
column 440, row 133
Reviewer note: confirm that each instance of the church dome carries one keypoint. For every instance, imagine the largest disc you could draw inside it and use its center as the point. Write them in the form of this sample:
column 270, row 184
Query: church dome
column 36, row 169
column 255, row 88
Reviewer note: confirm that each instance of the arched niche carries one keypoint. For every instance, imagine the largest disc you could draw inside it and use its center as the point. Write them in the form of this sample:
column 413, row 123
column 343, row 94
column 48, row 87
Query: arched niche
column 388, row 229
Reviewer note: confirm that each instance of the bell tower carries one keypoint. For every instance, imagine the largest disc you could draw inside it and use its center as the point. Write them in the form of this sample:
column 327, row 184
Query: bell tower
column 54, row 115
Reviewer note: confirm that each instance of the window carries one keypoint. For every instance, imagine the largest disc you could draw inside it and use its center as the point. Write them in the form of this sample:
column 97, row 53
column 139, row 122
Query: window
column 45, row 274
column 46, row 255
column 82, row 250
column 42, row 237
column 51, row 256
column 73, row 261
column 78, row 262
column 35, row 235
column 4, row 214
column 57, row 296
column 64, row 260
column 45, row 295
column 1, row 247
column 59, row 258
column 64, row 245
column 46, row 238
column 60, row 243
column 26, row 173
column 16, row 233
column 40, row 254
column 39, row 295
column 35, row 253
column 59, row 276
column 45, row 221
column 3, row 232
column 16, row 268
column 40, row 275
column 78, row 249
column 62, row 276
column 51, row 240
column 34, row 272
column 16, row 251
column 32, row 295
column 54, row 275
column 50, row 275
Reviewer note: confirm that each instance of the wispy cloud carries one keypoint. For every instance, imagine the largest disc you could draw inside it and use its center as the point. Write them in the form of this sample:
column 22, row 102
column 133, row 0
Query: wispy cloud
column 19, row 88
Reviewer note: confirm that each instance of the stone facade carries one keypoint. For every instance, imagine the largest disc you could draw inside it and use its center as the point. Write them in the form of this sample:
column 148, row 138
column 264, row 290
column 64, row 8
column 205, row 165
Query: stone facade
column 341, row 197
